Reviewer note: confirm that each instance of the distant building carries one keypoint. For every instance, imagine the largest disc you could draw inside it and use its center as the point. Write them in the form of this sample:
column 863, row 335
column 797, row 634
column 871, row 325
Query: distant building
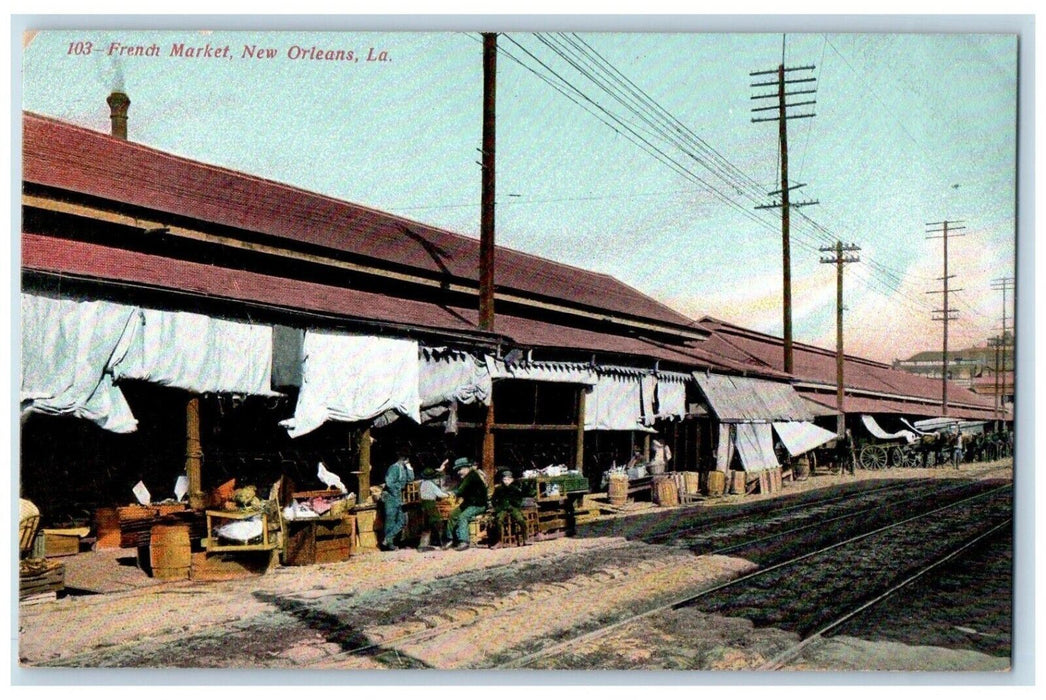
column 966, row 367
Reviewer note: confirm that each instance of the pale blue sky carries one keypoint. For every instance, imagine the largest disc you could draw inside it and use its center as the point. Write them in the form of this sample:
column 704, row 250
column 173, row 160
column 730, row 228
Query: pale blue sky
column 901, row 119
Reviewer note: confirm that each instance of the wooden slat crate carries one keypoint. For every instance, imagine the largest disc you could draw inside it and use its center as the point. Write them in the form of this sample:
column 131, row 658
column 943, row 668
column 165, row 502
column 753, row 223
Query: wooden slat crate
column 319, row 540
column 40, row 576
column 479, row 530
column 412, row 492
column 136, row 521
column 513, row 538
column 587, row 515
column 369, row 524
column 62, row 543
column 107, row 529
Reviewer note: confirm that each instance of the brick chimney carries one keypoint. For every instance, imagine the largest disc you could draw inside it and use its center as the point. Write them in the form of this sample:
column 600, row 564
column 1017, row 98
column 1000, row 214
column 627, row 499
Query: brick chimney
column 118, row 104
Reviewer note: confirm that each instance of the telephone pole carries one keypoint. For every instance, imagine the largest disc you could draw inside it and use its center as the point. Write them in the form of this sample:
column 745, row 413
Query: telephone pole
column 843, row 255
column 782, row 106
column 946, row 313
column 486, row 224
column 486, row 231
column 1003, row 284
column 996, row 342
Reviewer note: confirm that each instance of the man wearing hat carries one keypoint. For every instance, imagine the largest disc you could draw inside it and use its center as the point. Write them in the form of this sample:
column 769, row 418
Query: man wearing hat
column 396, row 477
column 473, row 494
column 429, row 491
column 508, row 502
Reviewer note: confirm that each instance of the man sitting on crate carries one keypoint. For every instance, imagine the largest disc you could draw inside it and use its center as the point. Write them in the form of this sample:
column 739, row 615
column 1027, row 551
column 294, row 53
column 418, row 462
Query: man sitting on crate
column 397, row 476
column 508, row 501
column 473, row 494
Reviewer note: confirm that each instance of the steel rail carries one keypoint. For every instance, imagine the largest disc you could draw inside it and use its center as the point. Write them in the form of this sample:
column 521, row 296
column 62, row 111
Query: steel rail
column 784, row 657
column 691, row 599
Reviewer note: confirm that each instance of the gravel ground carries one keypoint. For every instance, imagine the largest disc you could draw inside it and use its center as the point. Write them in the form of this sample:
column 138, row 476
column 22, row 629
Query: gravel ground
column 477, row 607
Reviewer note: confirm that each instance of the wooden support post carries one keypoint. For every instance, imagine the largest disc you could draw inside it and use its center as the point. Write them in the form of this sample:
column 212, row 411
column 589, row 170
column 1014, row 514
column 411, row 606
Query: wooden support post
column 487, row 460
column 579, row 451
column 194, row 453
column 646, row 446
column 363, row 464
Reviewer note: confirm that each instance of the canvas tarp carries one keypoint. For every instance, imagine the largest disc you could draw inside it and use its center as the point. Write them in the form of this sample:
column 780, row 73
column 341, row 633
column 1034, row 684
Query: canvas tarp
column 561, row 372
column 744, row 399
column 449, row 375
column 354, row 378
column 615, row 403
column 195, row 352
column 799, row 437
column 755, row 446
column 876, row 430
column 66, row 347
column 671, row 397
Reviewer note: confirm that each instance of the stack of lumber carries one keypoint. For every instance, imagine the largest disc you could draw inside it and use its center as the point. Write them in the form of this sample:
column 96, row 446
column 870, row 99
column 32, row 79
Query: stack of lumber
column 40, row 579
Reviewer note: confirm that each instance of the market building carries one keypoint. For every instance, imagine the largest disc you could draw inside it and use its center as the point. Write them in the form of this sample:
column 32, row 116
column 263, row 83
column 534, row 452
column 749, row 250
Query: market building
column 185, row 319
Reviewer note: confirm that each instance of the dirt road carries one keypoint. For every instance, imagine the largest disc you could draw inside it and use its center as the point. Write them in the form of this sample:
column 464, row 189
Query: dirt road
column 481, row 608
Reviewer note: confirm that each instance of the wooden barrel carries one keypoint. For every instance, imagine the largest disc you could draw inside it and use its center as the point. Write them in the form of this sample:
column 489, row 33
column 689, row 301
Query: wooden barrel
column 716, row 483
column 692, row 481
column 802, row 468
column 665, row 492
column 169, row 554
column 737, row 482
column 617, row 491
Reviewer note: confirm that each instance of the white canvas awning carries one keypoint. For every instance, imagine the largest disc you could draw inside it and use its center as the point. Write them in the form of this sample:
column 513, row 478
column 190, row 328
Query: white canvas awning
column 755, row 446
column 877, row 431
column 615, row 403
column 195, row 352
column 746, row 400
column 450, row 375
column 561, row 372
column 353, row 378
column 66, row 346
column 799, row 437
column 671, row 396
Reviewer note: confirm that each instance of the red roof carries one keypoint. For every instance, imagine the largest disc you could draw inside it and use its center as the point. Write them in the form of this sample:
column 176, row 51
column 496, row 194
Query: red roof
column 817, row 365
column 866, row 404
column 60, row 155
column 93, row 261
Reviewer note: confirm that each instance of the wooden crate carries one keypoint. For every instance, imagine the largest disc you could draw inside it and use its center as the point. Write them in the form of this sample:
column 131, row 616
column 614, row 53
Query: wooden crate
column 585, row 515
column 319, row 540
column 62, row 543
column 479, row 530
column 369, row 525
column 223, row 566
column 40, row 576
column 136, row 521
column 411, row 492
column 106, row 529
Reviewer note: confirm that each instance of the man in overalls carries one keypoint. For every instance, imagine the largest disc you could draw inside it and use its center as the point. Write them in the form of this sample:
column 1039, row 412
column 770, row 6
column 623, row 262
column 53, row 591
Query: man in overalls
column 397, row 476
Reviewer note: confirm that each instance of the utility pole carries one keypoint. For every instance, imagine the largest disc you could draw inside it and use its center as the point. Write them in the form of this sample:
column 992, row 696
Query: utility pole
column 995, row 343
column 486, row 224
column 839, row 260
column 486, row 231
column 946, row 313
column 782, row 105
column 1003, row 284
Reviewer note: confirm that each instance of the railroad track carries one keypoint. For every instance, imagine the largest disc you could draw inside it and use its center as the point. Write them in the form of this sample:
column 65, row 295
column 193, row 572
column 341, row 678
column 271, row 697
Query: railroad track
column 606, row 564
column 771, row 511
column 776, row 570
column 783, row 658
column 622, row 556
